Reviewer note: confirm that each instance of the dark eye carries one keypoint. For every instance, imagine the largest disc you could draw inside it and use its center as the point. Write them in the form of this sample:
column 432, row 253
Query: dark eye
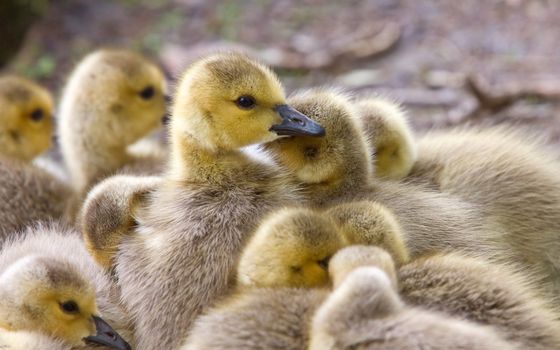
column 296, row 269
column 148, row 92
column 37, row 115
column 324, row 264
column 245, row 102
column 70, row 307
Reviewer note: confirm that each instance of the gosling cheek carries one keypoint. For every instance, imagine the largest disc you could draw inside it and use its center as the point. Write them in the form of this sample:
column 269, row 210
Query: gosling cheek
column 315, row 276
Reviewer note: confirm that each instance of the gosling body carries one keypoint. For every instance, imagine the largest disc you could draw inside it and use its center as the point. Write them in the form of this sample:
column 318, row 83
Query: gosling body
column 28, row 195
column 484, row 293
column 191, row 229
column 109, row 211
column 508, row 173
column 365, row 312
column 513, row 179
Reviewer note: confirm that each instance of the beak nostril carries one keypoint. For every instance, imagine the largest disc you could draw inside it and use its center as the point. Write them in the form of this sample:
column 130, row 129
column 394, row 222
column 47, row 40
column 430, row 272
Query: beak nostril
column 298, row 120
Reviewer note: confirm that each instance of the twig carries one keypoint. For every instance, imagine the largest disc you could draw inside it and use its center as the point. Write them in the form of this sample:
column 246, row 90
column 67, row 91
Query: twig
column 487, row 100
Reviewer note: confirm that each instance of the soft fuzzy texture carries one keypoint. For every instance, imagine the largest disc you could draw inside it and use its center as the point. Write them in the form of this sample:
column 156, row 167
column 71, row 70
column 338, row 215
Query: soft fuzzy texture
column 487, row 294
column 258, row 319
column 513, row 179
column 28, row 195
column 392, row 145
column 51, row 242
column 190, row 231
column 365, row 312
column 26, row 118
column 182, row 256
column 108, row 214
column 29, row 340
column 102, row 113
column 338, row 169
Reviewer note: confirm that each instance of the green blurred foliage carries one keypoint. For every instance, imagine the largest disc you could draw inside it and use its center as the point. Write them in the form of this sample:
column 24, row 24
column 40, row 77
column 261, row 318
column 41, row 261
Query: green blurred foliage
column 16, row 17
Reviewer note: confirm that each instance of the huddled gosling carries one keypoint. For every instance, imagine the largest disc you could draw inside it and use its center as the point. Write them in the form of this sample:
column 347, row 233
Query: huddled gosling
column 26, row 118
column 467, row 288
column 393, row 147
column 50, row 291
column 180, row 256
column 337, row 169
column 27, row 193
column 508, row 173
column 270, row 309
column 364, row 311
column 112, row 99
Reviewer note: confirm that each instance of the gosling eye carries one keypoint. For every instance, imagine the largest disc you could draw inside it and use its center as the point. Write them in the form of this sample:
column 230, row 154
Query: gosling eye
column 245, row 102
column 324, row 264
column 296, row 269
column 37, row 115
column 147, row 93
column 69, row 307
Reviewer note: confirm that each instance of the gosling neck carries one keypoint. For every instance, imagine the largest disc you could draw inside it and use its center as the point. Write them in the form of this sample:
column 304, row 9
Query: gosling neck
column 350, row 177
column 194, row 162
column 342, row 185
column 91, row 160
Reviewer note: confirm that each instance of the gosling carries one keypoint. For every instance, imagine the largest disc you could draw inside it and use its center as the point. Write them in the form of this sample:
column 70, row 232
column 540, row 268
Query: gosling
column 51, row 289
column 192, row 227
column 364, row 311
column 28, row 193
column 112, row 99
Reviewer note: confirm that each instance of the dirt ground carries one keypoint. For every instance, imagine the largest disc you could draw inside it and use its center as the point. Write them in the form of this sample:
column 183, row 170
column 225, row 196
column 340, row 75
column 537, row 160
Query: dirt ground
column 448, row 62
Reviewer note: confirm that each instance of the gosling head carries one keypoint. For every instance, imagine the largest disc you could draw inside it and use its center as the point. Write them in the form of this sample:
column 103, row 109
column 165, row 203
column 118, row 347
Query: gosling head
column 340, row 155
column 291, row 248
column 228, row 101
column 390, row 138
column 50, row 297
column 370, row 223
column 26, row 111
column 350, row 258
column 114, row 97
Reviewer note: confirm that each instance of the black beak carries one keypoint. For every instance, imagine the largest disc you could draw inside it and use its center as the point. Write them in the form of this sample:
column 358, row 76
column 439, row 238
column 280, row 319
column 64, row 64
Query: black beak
column 295, row 123
column 106, row 336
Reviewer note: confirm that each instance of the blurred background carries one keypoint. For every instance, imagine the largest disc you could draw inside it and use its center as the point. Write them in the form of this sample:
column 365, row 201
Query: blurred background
column 448, row 62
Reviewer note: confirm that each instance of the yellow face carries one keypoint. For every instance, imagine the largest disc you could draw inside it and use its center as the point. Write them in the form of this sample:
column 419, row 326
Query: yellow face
column 391, row 139
column 291, row 249
column 67, row 315
column 317, row 160
column 26, row 114
column 309, row 158
column 228, row 102
column 133, row 92
column 307, row 270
